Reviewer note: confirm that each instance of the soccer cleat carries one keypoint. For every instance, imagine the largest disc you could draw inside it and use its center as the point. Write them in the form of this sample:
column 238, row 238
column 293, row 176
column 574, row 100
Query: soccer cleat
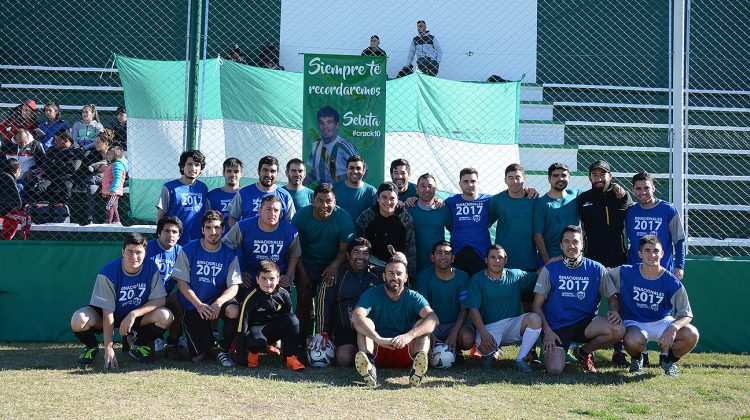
column 87, row 356
column 224, row 358
column 670, row 368
column 644, row 355
column 418, row 369
column 619, row 359
column 523, row 367
column 366, row 369
column 172, row 351
column 158, row 345
column 587, row 362
column 293, row 363
column 253, row 359
column 533, row 358
column 636, row 366
column 474, row 353
column 486, row 362
column 273, row 350
column 140, row 353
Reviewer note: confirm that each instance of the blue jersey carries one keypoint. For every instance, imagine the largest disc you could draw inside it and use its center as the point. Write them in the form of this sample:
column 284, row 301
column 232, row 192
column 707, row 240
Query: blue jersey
column 470, row 227
column 219, row 200
column 187, row 203
column 300, row 198
column 661, row 220
column 164, row 260
column 209, row 273
column 645, row 300
column 121, row 293
column 254, row 245
column 572, row 294
column 246, row 203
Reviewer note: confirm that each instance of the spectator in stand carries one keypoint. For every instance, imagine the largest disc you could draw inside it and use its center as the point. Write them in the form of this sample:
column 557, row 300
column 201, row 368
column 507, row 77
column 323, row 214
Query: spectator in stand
column 85, row 131
column 120, row 128
column 59, row 169
column 235, row 54
column 30, row 153
column 90, row 175
column 22, row 116
column 269, row 57
column 425, row 47
column 47, row 130
column 113, row 180
column 374, row 48
column 10, row 201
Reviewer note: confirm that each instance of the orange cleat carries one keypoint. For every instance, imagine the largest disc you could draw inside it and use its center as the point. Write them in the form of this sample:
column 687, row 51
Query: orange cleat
column 273, row 350
column 294, row 364
column 474, row 353
column 253, row 359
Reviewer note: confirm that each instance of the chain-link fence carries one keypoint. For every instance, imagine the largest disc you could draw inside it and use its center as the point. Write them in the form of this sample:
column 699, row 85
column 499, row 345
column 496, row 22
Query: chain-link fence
column 596, row 84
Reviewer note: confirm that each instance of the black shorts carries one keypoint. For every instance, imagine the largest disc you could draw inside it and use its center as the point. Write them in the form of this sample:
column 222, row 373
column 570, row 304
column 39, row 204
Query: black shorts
column 198, row 331
column 136, row 324
column 469, row 261
column 575, row 332
column 344, row 336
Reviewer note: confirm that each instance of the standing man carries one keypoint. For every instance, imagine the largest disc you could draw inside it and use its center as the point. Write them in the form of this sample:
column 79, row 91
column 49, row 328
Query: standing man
column 325, row 231
column 494, row 302
column 650, row 294
column 353, row 194
column 567, row 298
column 219, row 198
column 265, row 237
column 470, row 235
column 445, row 289
column 246, row 203
column 430, row 220
column 185, row 197
column 512, row 209
column 427, row 50
column 336, row 302
column 400, row 173
column 553, row 212
column 163, row 251
column 651, row 216
column 295, row 174
column 393, row 326
column 388, row 226
column 128, row 294
column 602, row 215
column 208, row 276
column 329, row 153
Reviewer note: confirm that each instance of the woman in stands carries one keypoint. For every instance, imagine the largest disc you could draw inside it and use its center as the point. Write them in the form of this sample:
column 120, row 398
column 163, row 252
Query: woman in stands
column 46, row 131
column 85, row 131
column 93, row 164
column 22, row 116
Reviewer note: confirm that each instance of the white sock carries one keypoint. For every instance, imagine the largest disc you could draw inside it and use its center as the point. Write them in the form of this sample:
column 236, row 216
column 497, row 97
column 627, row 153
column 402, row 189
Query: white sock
column 527, row 342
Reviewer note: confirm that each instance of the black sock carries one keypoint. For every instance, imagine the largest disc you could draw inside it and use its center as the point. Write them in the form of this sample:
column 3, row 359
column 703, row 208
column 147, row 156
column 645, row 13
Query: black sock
column 228, row 331
column 581, row 351
column 671, row 357
column 88, row 338
column 147, row 334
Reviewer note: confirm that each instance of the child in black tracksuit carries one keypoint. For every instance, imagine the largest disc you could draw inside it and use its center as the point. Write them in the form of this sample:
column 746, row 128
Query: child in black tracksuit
column 266, row 317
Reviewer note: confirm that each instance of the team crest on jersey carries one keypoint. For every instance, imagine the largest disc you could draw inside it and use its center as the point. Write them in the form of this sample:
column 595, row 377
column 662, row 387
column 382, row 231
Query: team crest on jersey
column 654, row 307
column 275, row 258
column 136, row 301
column 581, row 295
column 477, row 218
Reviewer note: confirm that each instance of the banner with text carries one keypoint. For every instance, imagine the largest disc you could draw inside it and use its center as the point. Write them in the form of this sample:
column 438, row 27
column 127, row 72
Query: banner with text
column 343, row 109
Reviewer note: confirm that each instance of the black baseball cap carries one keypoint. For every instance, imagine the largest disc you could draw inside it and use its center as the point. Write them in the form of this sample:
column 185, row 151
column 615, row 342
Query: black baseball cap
column 600, row 164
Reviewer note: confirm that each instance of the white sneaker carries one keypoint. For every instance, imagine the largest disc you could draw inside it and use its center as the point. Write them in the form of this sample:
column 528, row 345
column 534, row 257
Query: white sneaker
column 158, row 344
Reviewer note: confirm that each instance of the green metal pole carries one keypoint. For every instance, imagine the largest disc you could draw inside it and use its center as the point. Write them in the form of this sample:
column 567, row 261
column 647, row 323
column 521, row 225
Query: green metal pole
column 194, row 47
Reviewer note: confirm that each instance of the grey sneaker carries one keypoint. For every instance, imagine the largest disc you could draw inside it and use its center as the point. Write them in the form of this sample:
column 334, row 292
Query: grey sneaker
column 636, row 366
column 523, row 367
column 418, row 369
column 225, row 360
column 670, row 368
column 366, row 369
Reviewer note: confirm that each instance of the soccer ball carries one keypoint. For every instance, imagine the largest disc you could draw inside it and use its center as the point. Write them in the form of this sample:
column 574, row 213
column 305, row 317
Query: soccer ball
column 321, row 358
column 441, row 356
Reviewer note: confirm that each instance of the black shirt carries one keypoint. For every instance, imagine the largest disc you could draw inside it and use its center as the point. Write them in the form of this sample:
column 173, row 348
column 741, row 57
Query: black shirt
column 603, row 219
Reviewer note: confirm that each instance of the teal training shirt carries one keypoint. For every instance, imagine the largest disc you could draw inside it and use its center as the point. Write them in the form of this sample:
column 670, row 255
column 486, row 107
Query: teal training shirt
column 552, row 215
column 429, row 227
column 444, row 296
column 515, row 229
column 301, row 198
column 499, row 299
column 392, row 318
column 354, row 200
column 320, row 239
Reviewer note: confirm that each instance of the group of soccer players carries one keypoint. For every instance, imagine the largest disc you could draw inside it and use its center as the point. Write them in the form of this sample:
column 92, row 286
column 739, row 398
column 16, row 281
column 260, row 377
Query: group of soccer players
column 234, row 253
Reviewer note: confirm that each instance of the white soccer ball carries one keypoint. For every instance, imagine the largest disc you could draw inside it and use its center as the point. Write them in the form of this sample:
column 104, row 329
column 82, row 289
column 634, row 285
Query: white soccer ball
column 441, row 356
column 321, row 358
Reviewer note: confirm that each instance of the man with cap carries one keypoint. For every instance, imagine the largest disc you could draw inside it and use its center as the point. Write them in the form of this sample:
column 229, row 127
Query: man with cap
column 602, row 215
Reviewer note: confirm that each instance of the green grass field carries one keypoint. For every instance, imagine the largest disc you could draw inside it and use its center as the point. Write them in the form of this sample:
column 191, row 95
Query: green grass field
column 42, row 380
